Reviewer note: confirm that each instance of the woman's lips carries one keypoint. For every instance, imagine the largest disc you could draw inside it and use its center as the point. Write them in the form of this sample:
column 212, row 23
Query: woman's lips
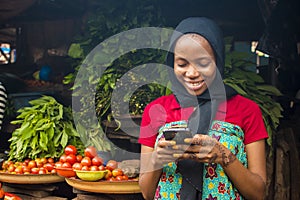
column 195, row 85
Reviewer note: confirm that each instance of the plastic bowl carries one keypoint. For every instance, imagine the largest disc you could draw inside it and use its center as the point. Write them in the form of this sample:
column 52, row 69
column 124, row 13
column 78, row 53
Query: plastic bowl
column 91, row 175
column 65, row 172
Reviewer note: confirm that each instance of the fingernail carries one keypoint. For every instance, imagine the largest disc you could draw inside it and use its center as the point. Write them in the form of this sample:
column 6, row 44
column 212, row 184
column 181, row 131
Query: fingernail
column 176, row 155
column 172, row 142
column 187, row 140
column 175, row 147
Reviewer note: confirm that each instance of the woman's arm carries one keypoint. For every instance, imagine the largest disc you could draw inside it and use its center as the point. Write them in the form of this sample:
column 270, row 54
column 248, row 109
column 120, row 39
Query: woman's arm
column 152, row 162
column 149, row 175
column 251, row 181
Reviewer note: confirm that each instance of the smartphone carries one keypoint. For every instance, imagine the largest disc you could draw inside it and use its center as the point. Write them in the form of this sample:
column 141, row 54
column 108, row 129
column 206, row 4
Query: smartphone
column 177, row 134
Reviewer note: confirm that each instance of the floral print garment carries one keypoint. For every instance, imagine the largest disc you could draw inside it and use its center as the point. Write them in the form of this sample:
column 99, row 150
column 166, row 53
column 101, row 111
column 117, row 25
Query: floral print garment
column 216, row 185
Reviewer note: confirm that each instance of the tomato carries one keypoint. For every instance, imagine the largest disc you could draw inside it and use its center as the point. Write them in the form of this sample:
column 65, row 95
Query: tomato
column 19, row 170
column 111, row 165
column 102, row 167
column 31, row 164
column 42, row 171
column 26, row 169
column 77, row 166
column 49, row 166
column 119, row 178
column 125, row 177
column 108, row 175
column 11, row 168
column 85, row 168
column 35, row 170
column 86, row 161
column 70, row 149
column 39, row 164
column 71, row 158
column 44, row 160
column 94, row 168
column 50, row 160
column 78, row 158
column 63, row 158
column 58, row 164
column 97, row 161
column 111, row 178
column 66, row 165
column 117, row 172
column 90, row 152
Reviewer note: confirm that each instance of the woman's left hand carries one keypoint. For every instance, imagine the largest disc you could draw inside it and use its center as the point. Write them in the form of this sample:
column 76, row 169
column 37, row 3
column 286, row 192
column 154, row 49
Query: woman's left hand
column 203, row 148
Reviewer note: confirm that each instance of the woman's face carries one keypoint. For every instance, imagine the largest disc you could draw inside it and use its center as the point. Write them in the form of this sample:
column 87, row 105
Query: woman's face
column 194, row 63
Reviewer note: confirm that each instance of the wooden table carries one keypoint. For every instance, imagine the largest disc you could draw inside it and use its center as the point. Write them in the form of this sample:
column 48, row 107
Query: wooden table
column 105, row 190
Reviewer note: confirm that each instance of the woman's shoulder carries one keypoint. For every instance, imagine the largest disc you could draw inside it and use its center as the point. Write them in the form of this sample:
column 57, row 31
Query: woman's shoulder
column 241, row 101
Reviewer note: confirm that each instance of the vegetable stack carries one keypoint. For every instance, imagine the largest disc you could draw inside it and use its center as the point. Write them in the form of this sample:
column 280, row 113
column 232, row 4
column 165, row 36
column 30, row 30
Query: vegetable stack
column 46, row 128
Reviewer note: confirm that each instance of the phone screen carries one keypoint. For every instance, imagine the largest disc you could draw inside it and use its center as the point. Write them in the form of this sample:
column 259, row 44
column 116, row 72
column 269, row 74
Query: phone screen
column 177, row 134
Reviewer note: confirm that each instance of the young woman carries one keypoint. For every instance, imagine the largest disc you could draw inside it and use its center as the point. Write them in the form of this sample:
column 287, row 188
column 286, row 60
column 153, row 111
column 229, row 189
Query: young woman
column 225, row 158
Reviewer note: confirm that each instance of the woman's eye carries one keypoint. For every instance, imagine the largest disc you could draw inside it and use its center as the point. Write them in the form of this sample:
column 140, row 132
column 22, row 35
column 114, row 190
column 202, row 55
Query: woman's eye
column 181, row 64
column 204, row 63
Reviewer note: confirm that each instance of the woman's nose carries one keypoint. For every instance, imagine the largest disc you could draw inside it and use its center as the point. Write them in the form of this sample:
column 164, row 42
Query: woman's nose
column 192, row 71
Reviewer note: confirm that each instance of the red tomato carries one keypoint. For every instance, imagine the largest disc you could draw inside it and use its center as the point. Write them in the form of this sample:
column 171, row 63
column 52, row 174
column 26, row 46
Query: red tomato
column 86, row 161
column 49, row 166
column 78, row 158
column 111, row 165
column 77, row 166
column 94, row 168
column 85, row 168
column 90, row 152
column 44, row 160
column 19, row 170
column 35, row 170
column 63, row 158
column 11, row 168
column 119, row 178
column 125, row 177
column 26, row 169
column 71, row 158
column 50, row 160
column 97, row 161
column 42, row 171
column 102, row 167
column 117, row 172
column 70, row 149
column 31, row 164
column 66, row 165
column 58, row 164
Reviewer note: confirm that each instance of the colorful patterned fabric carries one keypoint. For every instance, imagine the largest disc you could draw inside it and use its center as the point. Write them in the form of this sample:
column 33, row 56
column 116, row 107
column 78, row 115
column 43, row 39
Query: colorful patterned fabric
column 216, row 184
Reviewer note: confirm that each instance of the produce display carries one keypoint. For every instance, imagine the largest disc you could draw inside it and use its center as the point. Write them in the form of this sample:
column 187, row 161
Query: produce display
column 29, row 166
column 89, row 166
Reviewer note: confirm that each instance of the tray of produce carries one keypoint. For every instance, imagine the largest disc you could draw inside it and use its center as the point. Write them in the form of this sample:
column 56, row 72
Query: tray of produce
column 30, row 178
column 129, row 186
column 38, row 171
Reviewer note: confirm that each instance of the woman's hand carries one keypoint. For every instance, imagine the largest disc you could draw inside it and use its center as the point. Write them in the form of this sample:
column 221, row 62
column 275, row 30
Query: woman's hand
column 163, row 153
column 206, row 149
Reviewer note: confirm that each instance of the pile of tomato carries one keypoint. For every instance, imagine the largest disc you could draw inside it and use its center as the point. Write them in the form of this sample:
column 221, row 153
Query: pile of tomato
column 90, row 161
column 30, row 166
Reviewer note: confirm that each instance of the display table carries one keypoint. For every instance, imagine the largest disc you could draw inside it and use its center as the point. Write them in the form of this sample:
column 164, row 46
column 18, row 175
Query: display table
column 105, row 190
column 35, row 186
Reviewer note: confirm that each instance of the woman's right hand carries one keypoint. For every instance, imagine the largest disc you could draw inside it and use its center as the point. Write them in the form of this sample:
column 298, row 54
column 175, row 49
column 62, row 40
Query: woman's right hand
column 163, row 153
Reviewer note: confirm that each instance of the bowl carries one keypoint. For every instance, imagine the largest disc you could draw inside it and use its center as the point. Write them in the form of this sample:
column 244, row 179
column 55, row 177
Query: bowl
column 65, row 172
column 90, row 175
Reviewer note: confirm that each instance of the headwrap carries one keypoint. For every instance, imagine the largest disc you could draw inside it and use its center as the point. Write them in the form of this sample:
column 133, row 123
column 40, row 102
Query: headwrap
column 205, row 104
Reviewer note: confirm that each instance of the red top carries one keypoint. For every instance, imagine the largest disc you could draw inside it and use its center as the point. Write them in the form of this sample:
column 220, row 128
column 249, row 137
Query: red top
column 240, row 111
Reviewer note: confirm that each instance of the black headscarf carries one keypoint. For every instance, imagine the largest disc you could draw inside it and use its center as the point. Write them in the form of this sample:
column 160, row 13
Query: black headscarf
column 205, row 104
